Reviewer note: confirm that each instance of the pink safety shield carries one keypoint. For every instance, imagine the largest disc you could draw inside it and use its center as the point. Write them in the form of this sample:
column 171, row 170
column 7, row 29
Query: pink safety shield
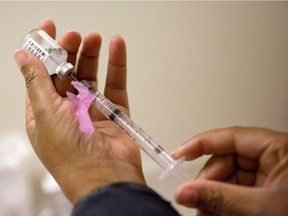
column 83, row 101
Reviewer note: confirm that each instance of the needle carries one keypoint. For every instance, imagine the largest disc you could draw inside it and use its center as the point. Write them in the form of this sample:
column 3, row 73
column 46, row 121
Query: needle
column 73, row 77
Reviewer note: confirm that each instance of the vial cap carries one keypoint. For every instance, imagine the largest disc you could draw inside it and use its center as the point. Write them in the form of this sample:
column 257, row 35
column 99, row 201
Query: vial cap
column 66, row 71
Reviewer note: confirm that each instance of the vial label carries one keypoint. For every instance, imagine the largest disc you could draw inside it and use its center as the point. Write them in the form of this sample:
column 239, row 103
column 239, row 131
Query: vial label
column 32, row 46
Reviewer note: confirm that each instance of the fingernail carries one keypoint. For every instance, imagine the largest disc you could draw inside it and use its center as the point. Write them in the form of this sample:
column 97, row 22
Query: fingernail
column 21, row 58
column 176, row 150
column 189, row 198
column 173, row 153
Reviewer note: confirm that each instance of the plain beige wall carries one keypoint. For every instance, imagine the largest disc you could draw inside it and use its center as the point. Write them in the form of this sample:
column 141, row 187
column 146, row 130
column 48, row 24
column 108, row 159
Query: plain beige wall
column 192, row 66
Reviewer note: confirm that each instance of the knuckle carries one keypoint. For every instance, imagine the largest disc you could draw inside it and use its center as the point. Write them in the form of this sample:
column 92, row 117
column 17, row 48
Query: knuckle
column 31, row 77
column 212, row 200
column 215, row 200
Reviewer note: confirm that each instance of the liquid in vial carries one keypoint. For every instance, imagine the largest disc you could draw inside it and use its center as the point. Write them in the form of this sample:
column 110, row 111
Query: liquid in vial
column 47, row 50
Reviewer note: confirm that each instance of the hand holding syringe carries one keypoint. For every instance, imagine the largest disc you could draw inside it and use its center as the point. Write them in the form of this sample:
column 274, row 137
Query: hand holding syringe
column 54, row 58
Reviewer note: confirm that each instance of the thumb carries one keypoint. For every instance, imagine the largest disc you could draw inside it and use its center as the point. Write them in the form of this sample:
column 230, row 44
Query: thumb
column 220, row 198
column 39, row 86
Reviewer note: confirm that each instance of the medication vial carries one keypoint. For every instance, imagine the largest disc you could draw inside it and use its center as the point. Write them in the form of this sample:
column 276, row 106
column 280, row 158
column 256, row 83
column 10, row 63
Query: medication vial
column 47, row 50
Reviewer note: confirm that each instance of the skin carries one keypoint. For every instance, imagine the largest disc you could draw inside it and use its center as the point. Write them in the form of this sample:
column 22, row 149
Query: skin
column 247, row 173
column 79, row 162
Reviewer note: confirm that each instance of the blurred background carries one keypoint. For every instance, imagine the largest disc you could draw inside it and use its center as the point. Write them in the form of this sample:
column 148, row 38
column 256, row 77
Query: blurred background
column 192, row 66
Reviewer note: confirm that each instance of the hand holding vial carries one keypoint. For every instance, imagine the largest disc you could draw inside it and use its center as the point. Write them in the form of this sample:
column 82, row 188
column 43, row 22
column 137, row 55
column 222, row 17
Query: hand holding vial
column 76, row 160
column 54, row 57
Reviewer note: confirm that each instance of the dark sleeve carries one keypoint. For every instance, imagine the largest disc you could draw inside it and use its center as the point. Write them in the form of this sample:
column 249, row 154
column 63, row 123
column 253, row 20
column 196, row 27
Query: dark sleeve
column 124, row 199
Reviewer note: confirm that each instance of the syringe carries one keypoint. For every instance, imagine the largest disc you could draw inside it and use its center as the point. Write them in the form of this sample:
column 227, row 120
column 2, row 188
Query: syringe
column 54, row 57
column 146, row 143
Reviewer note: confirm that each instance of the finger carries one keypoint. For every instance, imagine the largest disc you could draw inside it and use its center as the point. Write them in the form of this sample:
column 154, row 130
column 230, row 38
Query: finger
column 248, row 142
column 70, row 42
column 40, row 89
column 89, row 57
column 227, row 168
column 218, row 168
column 49, row 27
column 115, row 88
column 222, row 199
column 88, row 65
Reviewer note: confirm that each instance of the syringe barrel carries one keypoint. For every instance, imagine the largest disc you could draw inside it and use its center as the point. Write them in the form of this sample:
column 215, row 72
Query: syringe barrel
column 146, row 143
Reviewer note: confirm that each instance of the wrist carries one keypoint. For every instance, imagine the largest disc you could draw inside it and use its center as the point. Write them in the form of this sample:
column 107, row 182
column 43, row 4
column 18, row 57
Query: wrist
column 78, row 182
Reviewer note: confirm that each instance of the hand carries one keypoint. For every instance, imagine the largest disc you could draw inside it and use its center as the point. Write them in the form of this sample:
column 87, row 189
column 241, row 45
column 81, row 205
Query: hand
column 78, row 161
column 246, row 175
